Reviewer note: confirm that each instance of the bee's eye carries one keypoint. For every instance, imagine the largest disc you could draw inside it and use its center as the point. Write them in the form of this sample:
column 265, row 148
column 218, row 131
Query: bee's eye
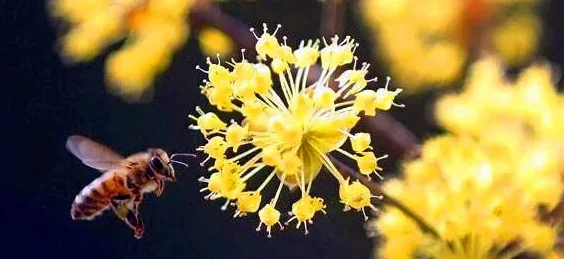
column 157, row 164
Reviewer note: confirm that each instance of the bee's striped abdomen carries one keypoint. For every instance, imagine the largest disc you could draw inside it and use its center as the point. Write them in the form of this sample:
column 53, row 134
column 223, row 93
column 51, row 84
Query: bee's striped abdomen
column 96, row 197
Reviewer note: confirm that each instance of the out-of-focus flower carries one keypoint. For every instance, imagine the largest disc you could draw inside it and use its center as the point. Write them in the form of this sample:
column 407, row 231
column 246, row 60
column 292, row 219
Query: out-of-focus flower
column 483, row 186
column 289, row 129
column 526, row 111
column 515, row 39
column 426, row 44
column 213, row 41
column 481, row 196
column 153, row 29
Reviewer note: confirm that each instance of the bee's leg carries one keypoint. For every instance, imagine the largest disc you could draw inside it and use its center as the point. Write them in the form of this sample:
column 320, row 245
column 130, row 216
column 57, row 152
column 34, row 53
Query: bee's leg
column 134, row 219
column 160, row 188
column 119, row 205
column 136, row 223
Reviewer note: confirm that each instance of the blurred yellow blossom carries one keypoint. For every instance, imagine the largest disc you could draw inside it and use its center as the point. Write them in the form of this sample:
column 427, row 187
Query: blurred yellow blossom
column 153, row 30
column 289, row 126
column 482, row 197
column 426, row 44
column 213, row 41
column 528, row 111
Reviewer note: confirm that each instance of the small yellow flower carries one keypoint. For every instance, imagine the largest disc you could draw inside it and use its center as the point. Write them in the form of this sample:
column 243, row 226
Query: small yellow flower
column 248, row 202
column 356, row 196
column 304, row 209
column 213, row 41
column 288, row 128
column 360, row 142
column 235, row 135
column 368, row 164
column 269, row 216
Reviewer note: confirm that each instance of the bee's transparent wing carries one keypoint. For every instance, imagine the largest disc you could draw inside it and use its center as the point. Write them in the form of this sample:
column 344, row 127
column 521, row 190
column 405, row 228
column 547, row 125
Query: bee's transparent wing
column 93, row 154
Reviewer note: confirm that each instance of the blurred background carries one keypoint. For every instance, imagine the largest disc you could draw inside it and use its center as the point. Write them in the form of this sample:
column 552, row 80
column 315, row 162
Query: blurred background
column 48, row 100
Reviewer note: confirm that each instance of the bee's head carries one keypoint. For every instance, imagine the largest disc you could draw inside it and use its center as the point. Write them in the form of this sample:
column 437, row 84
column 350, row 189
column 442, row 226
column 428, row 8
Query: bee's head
column 161, row 166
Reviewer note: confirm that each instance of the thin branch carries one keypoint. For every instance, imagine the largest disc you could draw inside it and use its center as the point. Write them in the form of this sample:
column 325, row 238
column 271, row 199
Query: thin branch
column 332, row 17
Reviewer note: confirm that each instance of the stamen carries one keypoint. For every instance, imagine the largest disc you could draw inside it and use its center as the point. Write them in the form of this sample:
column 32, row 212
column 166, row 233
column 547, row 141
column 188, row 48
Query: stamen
column 205, row 160
column 276, row 30
column 251, row 173
column 279, row 189
column 364, row 213
column 224, row 207
column 344, row 152
column 253, row 32
column 267, row 180
column 199, row 68
column 375, row 79
column 243, row 55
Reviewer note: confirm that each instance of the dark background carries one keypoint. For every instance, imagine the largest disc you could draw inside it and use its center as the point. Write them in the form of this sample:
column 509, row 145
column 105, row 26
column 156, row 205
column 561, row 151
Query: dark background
column 47, row 101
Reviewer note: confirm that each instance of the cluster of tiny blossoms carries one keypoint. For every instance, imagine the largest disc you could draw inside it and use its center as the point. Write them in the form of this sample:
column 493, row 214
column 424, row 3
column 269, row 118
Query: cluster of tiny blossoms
column 524, row 112
column 426, row 43
column 481, row 196
column 288, row 131
column 481, row 189
column 154, row 30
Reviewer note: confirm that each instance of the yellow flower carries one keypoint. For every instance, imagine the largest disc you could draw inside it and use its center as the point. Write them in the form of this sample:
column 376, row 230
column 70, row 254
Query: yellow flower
column 356, row 196
column 213, row 41
column 472, row 193
column 154, row 30
column 427, row 44
column 481, row 188
column 289, row 128
column 269, row 216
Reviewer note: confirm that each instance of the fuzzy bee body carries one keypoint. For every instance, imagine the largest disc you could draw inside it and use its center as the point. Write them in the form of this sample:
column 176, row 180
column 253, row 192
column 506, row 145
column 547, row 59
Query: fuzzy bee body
column 123, row 182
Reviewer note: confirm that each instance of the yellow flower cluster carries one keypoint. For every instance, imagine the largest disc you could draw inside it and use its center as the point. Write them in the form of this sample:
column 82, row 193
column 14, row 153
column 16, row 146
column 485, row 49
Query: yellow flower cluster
column 481, row 196
column 528, row 111
column 426, row 43
column 154, row 30
column 287, row 131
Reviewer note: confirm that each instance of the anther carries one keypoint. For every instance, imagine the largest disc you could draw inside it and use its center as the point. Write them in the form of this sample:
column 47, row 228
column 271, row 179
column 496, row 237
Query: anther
column 278, row 26
column 253, row 31
column 199, row 68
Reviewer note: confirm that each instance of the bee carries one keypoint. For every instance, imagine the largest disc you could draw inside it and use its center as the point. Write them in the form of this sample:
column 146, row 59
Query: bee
column 123, row 181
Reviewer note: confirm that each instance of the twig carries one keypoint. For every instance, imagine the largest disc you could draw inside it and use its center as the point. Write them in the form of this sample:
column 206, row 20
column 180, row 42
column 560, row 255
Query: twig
column 332, row 17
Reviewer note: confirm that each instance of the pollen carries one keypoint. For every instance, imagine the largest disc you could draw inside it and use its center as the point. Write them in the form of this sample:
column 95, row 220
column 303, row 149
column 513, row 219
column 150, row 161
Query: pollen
column 288, row 125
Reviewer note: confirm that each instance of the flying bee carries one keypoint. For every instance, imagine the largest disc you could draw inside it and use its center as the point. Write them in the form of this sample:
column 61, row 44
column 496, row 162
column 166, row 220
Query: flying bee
column 123, row 182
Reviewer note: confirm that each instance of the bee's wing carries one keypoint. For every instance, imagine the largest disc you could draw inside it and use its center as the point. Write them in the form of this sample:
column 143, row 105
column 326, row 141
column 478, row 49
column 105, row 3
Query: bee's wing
column 93, row 154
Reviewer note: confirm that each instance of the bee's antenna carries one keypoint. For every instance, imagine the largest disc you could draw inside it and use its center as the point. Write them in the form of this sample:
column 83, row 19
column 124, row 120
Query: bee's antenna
column 178, row 162
column 181, row 154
